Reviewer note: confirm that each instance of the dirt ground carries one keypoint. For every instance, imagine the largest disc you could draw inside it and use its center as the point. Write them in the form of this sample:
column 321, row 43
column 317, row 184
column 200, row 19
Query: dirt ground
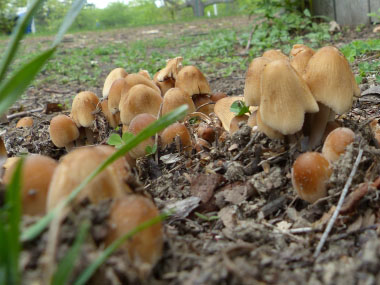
column 257, row 230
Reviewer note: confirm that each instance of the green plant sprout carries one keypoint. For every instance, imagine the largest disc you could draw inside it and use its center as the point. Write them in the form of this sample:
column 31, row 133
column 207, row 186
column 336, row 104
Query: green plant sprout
column 206, row 218
column 239, row 108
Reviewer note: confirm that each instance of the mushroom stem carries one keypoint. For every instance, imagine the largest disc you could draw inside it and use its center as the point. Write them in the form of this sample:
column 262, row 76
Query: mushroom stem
column 69, row 146
column 319, row 123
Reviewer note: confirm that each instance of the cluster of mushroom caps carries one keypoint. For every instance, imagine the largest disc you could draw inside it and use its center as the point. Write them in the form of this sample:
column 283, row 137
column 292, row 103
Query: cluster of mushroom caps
column 135, row 101
column 300, row 95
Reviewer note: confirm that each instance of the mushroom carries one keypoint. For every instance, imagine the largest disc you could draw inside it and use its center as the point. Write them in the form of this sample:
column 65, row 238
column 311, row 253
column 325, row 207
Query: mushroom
column 25, row 122
column 262, row 127
column 140, row 99
column 285, row 98
column 135, row 79
column 310, row 173
column 3, row 150
column 36, row 174
column 111, row 77
column 300, row 56
column 179, row 130
column 77, row 165
column 336, row 143
column 139, row 123
column 235, row 123
column 174, row 98
column 217, row 96
column 252, row 85
column 63, row 131
column 145, row 73
column 203, row 104
column 113, row 119
column 117, row 90
column 275, row 54
column 82, row 112
column 333, row 85
column 164, row 85
column 191, row 80
column 144, row 248
column 171, row 70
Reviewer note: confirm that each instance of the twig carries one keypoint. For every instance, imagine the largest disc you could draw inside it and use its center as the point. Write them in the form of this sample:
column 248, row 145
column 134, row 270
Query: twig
column 301, row 230
column 24, row 113
column 339, row 206
column 251, row 141
column 205, row 104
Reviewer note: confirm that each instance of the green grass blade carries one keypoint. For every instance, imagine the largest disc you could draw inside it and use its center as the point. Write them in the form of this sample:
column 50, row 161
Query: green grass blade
column 10, row 230
column 17, row 35
column 89, row 271
column 13, row 87
column 149, row 131
column 65, row 267
column 69, row 19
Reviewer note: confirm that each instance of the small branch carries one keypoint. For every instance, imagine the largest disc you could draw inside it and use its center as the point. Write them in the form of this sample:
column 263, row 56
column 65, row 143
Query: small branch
column 339, row 206
column 24, row 113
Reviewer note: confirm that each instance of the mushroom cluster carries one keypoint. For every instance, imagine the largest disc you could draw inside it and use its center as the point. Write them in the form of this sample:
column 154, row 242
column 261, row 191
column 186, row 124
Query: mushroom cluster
column 301, row 93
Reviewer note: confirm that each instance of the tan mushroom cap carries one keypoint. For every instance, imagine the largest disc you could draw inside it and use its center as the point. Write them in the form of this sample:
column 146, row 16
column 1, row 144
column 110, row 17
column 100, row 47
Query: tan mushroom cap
column 36, row 175
column 145, row 248
column 111, row 77
column 310, row 172
column 63, row 130
column 3, row 149
column 285, row 98
column 336, row 143
column 330, row 79
column 113, row 119
column 234, row 124
column 25, row 122
column 164, row 85
column 117, row 90
column 177, row 129
column 84, row 104
column 135, row 79
column 274, row 54
column 171, row 70
column 175, row 98
column 253, row 81
column 223, row 112
column 77, row 165
column 202, row 99
column 262, row 127
column 139, row 123
column 145, row 73
column 300, row 56
column 140, row 99
column 191, row 80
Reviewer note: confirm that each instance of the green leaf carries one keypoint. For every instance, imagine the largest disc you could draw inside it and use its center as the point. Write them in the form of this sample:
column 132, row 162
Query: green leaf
column 239, row 108
column 17, row 35
column 69, row 19
column 151, row 149
column 149, row 131
column 307, row 13
column 10, row 230
column 115, row 140
column 127, row 136
column 89, row 271
column 66, row 266
column 14, row 87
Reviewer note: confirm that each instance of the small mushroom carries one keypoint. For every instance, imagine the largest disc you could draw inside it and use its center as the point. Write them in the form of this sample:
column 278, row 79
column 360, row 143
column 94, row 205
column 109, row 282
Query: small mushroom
column 82, row 112
column 171, row 70
column 117, row 90
column 179, row 130
column 36, row 174
column 275, row 54
column 144, row 248
column 285, row 98
column 77, row 165
column 300, row 56
column 175, row 98
column 145, row 73
column 135, row 79
column 203, row 104
column 191, row 80
column 310, row 173
column 111, row 77
column 332, row 83
column 26, row 122
column 336, row 143
column 63, row 131
column 140, row 99
column 139, row 123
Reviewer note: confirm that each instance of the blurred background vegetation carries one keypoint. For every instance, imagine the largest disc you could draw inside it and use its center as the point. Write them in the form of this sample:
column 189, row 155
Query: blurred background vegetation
column 139, row 12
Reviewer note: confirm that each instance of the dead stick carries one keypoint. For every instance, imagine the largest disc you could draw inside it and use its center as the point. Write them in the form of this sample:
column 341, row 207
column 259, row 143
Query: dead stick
column 339, row 206
column 19, row 114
